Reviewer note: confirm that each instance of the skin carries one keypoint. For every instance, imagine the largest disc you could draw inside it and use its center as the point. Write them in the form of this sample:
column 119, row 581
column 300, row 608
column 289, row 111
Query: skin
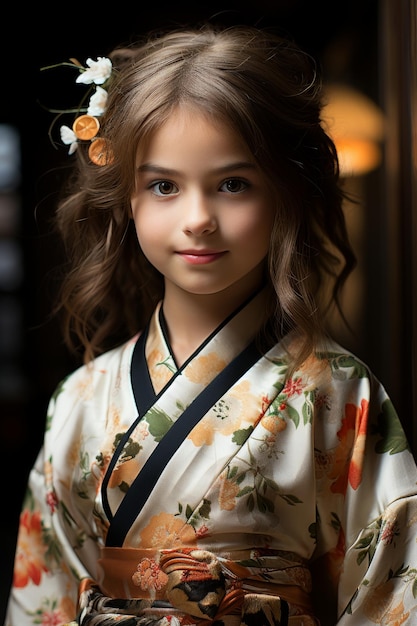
column 203, row 214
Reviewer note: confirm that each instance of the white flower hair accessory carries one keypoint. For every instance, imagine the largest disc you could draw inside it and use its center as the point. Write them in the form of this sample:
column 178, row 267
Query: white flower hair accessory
column 86, row 125
column 98, row 72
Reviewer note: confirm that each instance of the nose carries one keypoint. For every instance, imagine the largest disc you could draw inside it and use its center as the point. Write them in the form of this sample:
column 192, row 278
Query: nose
column 199, row 216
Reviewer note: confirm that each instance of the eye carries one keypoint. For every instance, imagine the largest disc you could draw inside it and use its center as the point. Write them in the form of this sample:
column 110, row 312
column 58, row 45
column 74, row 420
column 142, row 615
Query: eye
column 163, row 188
column 234, row 185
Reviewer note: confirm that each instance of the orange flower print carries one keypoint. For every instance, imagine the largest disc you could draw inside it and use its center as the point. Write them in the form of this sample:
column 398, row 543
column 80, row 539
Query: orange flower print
column 166, row 531
column 274, row 423
column 125, row 473
column 228, row 492
column 203, row 433
column 378, row 601
column 396, row 615
column 67, row 609
column 203, row 369
column 361, row 426
column 340, row 458
column 149, row 576
column 161, row 367
column 73, row 454
column 85, row 388
column 227, row 415
column 30, row 551
column 348, row 457
column 315, row 370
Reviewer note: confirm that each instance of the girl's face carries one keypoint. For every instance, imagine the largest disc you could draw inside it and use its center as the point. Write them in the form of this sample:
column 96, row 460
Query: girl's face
column 202, row 209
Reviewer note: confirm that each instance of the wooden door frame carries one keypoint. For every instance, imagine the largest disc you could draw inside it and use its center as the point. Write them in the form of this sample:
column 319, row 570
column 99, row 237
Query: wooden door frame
column 398, row 77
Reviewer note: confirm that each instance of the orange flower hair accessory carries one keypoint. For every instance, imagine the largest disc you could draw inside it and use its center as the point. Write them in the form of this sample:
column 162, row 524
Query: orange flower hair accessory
column 87, row 125
column 100, row 152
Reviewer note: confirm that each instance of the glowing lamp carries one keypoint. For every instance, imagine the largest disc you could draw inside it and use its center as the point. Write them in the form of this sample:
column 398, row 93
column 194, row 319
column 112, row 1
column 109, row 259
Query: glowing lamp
column 357, row 127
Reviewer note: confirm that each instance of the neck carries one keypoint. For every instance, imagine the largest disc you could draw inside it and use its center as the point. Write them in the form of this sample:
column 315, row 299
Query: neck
column 192, row 318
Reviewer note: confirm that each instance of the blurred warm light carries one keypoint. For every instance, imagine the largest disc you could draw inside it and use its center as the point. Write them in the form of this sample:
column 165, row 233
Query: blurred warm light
column 357, row 126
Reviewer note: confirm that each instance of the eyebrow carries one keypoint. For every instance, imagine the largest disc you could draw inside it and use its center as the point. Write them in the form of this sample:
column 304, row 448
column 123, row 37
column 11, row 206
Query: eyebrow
column 157, row 169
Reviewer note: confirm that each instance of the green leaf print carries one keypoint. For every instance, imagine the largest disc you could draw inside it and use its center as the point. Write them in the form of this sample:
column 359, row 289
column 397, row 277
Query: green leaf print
column 339, row 362
column 256, row 492
column 130, row 450
column 240, row 436
column 53, row 553
column 194, row 517
column 168, row 364
column 265, row 505
column 279, row 386
column 348, row 609
column 389, row 428
column 414, row 588
column 251, row 502
column 366, row 541
column 159, row 423
column 312, row 530
column 308, row 408
column 290, row 499
column 367, row 544
column 205, row 509
column 282, row 365
column 244, row 491
column 271, row 483
column 401, row 571
column 292, row 414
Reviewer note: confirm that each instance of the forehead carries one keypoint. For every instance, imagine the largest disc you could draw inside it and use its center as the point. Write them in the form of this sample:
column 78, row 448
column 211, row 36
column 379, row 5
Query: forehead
column 188, row 129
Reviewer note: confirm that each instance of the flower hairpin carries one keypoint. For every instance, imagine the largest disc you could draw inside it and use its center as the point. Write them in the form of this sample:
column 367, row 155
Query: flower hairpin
column 86, row 125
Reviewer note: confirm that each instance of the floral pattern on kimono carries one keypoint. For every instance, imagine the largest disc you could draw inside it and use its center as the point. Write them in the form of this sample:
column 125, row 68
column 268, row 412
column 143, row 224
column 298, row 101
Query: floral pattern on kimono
column 296, row 487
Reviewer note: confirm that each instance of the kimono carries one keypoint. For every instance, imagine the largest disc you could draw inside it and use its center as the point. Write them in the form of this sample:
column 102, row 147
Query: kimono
column 228, row 491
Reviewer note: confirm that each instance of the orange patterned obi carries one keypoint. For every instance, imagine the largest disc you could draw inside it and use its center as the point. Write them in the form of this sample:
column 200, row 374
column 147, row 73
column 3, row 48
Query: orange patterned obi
column 193, row 582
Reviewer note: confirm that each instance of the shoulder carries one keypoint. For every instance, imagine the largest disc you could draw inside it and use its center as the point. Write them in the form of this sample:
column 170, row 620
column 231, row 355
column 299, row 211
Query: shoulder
column 342, row 362
column 108, row 375
column 105, row 365
column 346, row 377
column 331, row 367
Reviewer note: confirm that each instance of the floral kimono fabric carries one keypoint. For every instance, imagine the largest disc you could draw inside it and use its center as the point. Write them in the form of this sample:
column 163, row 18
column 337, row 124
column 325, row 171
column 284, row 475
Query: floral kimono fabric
column 225, row 491
column 188, row 584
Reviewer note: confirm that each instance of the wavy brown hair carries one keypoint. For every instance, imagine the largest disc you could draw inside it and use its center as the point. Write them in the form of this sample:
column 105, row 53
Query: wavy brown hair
column 269, row 92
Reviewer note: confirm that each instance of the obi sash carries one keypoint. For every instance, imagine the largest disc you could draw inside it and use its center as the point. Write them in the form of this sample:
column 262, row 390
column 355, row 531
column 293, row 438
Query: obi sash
column 194, row 587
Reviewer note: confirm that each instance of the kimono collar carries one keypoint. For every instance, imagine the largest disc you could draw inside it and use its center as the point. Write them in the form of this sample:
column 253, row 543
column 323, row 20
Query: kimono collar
column 222, row 345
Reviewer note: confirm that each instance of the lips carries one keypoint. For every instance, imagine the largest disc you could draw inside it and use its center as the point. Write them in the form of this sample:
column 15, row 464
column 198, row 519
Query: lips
column 200, row 257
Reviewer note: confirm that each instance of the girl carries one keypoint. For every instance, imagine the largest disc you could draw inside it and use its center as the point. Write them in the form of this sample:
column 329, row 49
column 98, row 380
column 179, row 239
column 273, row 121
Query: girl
column 218, row 459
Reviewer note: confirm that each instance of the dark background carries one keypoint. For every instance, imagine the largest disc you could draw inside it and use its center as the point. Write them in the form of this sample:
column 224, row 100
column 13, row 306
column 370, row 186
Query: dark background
column 345, row 38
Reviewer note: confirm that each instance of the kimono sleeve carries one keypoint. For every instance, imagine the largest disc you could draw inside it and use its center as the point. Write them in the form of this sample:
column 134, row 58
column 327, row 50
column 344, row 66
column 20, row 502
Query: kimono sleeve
column 47, row 569
column 375, row 558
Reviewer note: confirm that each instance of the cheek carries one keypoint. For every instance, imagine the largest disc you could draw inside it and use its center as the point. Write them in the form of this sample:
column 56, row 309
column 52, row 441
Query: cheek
column 255, row 230
column 148, row 232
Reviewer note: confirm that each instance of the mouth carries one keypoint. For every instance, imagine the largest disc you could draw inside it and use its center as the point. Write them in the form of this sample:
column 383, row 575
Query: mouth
column 200, row 257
